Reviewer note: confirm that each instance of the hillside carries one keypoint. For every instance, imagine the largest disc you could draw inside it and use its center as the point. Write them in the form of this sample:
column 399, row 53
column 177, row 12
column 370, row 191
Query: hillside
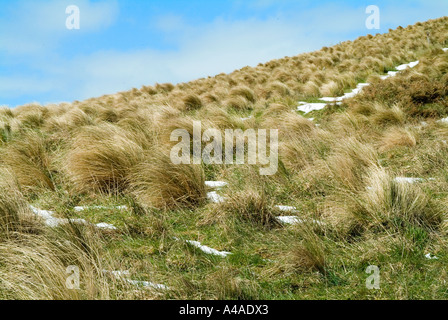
column 361, row 181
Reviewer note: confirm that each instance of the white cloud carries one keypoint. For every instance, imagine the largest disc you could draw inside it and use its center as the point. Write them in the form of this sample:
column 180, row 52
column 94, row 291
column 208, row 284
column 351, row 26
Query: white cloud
column 37, row 26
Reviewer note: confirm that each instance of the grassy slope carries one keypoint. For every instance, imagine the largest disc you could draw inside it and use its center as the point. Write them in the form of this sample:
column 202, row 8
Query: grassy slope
column 112, row 151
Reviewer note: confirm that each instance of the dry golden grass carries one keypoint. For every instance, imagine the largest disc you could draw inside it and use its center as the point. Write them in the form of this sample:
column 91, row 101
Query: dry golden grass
column 157, row 183
column 397, row 137
column 249, row 205
column 15, row 214
column 387, row 203
column 28, row 157
column 192, row 102
column 102, row 157
column 36, row 267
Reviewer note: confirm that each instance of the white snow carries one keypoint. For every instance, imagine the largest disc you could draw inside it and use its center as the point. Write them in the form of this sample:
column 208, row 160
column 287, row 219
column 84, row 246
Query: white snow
column 208, row 250
column 52, row 222
column 215, row 184
column 362, row 85
column 445, row 49
column 308, row 107
column 411, row 180
column 215, row 197
column 290, row 220
column 119, row 274
column 124, row 274
column 106, row 226
column 347, row 95
column 431, row 257
column 148, row 284
column 293, row 220
column 331, row 99
column 82, row 208
column 392, row 73
column 407, row 65
column 408, row 180
column 444, row 120
column 287, row 208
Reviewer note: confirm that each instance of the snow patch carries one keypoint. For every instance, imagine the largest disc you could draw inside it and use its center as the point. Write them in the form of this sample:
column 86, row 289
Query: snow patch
column 105, row 226
column 287, row 208
column 147, row 284
column 124, row 274
column 215, row 184
column 308, row 107
column 82, row 208
column 407, row 65
column 215, row 197
column 411, row 180
column 444, row 120
column 431, row 257
column 294, row 220
column 208, row 250
column 52, row 222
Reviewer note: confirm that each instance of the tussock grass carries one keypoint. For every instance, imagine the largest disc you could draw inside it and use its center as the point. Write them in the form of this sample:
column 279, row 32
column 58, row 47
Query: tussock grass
column 102, row 157
column 28, row 156
column 391, row 204
column 35, row 268
column 15, row 214
column 192, row 102
column 397, row 137
column 157, row 183
column 251, row 206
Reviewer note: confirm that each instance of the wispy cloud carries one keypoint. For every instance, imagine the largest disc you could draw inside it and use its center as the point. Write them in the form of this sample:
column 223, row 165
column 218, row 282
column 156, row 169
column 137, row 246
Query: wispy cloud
column 34, row 27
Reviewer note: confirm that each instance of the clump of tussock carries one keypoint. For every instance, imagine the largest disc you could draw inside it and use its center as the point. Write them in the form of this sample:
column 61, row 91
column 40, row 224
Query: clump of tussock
column 164, row 87
column 388, row 202
column 397, row 137
column 332, row 89
column 192, row 102
column 237, row 103
column 39, row 268
column 386, row 206
column 216, row 117
column 310, row 89
column 107, row 115
column 31, row 115
column 68, row 121
column 28, row 157
column 289, row 124
column 158, row 183
column 308, row 254
column 303, row 151
column 276, row 109
column 228, row 283
column 384, row 116
column 276, row 89
column 15, row 214
column 245, row 92
column 251, row 206
column 348, row 162
column 101, row 158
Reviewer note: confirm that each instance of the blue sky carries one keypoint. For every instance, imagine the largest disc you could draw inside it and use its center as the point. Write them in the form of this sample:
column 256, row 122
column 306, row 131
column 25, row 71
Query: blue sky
column 123, row 44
